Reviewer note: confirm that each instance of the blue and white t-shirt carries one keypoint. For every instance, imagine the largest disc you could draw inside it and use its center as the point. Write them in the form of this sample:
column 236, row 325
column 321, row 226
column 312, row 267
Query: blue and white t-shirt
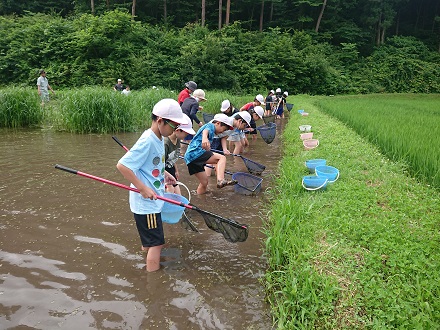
column 195, row 149
column 147, row 160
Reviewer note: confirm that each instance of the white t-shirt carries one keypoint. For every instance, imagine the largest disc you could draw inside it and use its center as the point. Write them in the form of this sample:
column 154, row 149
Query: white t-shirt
column 43, row 82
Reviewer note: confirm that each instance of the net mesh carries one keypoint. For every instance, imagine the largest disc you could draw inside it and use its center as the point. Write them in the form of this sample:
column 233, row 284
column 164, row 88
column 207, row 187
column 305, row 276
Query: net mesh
column 207, row 117
column 187, row 222
column 231, row 230
column 268, row 132
column 253, row 167
column 269, row 119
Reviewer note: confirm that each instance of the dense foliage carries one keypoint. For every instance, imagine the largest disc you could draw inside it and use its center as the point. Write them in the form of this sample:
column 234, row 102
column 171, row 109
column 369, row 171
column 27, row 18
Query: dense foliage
column 363, row 22
column 92, row 50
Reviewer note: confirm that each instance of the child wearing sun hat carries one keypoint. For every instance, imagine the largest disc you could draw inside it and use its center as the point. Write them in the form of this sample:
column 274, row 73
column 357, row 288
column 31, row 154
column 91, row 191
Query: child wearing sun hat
column 199, row 153
column 172, row 151
column 144, row 166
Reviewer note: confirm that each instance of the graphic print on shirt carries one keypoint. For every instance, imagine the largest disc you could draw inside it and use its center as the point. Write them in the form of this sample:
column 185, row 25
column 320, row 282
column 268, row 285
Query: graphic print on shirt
column 156, row 172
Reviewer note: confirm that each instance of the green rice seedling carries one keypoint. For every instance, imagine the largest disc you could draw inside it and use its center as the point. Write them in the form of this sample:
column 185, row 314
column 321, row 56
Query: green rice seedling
column 405, row 127
column 20, row 107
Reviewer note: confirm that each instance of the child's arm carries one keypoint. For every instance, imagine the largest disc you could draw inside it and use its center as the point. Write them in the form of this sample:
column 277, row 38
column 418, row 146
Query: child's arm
column 193, row 114
column 205, row 141
column 130, row 176
column 224, row 145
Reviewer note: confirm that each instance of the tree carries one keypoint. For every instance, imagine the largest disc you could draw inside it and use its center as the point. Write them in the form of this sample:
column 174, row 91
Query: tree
column 321, row 13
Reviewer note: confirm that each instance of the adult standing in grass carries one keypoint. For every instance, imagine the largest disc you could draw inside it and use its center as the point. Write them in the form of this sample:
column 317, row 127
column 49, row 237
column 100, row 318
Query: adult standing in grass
column 119, row 87
column 190, row 87
column 43, row 86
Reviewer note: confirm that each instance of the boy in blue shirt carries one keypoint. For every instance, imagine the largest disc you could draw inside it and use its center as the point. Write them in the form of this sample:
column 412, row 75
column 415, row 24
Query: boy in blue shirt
column 144, row 167
column 199, row 153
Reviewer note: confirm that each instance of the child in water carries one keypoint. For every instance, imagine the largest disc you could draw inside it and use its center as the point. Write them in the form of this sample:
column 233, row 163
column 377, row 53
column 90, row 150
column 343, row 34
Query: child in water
column 199, row 153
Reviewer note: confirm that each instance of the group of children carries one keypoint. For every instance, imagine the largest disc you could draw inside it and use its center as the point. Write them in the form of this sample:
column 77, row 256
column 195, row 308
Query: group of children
column 275, row 103
column 150, row 165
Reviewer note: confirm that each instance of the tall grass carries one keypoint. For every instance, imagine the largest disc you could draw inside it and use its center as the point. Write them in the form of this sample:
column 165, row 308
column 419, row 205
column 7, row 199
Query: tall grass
column 363, row 254
column 20, row 107
column 405, row 127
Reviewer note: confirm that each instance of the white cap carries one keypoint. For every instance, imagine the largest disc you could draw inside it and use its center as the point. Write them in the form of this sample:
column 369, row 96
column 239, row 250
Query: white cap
column 187, row 128
column 278, row 90
column 260, row 98
column 272, row 91
column 225, row 105
column 245, row 115
column 119, row 79
column 200, row 93
column 221, row 117
column 259, row 111
column 285, row 93
column 169, row 109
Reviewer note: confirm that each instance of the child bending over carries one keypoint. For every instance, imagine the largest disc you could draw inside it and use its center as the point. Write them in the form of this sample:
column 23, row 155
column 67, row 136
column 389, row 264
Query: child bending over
column 198, row 153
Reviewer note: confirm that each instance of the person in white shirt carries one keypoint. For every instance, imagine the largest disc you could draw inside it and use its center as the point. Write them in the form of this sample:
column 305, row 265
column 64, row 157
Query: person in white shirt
column 43, row 87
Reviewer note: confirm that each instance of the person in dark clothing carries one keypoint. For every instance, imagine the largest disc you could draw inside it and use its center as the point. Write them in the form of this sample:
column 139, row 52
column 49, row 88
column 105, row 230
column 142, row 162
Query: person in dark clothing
column 191, row 105
column 119, row 87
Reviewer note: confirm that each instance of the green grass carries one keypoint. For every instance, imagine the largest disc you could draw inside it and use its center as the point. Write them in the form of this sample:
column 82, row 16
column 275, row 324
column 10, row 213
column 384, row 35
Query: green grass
column 362, row 254
column 405, row 127
column 20, row 107
column 92, row 109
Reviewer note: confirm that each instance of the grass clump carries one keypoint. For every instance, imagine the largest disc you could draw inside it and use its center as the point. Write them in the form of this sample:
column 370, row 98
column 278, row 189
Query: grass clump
column 362, row 254
column 20, row 107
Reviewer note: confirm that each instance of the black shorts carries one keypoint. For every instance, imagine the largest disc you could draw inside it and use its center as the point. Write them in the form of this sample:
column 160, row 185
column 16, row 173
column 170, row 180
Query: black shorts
column 150, row 229
column 171, row 170
column 198, row 164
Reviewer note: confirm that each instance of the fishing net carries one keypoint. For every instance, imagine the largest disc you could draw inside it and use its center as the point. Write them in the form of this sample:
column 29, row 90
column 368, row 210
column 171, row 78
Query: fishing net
column 269, row 119
column 253, row 167
column 268, row 132
column 231, row 230
column 247, row 184
column 289, row 106
column 207, row 117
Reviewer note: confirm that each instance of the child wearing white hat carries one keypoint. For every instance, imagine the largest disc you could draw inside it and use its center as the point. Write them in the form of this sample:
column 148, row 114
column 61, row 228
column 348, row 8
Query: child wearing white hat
column 258, row 101
column 172, row 151
column 199, row 153
column 144, row 166
column 241, row 121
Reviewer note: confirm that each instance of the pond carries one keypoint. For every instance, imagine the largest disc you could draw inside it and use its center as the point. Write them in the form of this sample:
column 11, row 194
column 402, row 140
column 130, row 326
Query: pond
column 70, row 254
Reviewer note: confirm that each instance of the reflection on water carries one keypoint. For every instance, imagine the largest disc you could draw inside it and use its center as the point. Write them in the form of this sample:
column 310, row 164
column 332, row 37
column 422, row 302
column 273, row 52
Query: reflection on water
column 70, row 254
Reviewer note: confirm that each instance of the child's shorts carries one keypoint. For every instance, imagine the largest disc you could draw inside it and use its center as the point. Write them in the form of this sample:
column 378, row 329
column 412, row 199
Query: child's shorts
column 198, row 164
column 236, row 136
column 150, row 229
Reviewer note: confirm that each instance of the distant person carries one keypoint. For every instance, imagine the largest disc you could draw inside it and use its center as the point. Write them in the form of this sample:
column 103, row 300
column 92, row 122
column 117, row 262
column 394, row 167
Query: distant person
column 43, row 86
column 191, row 105
column 269, row 102
column 126, row 90
column 119, row 87
column 190, row 87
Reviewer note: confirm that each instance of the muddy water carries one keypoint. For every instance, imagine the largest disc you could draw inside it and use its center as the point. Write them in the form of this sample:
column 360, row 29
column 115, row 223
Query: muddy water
column 70, row 253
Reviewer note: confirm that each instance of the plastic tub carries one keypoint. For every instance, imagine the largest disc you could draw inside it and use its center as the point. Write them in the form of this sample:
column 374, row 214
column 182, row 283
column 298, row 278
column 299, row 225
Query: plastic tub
column 311, row 164
column 306, row 136
column 304, row 114
column 310, row 144
column 172, row 213
column 300, row 111
column 329, row 172
column 305, row 128
column 313, row 182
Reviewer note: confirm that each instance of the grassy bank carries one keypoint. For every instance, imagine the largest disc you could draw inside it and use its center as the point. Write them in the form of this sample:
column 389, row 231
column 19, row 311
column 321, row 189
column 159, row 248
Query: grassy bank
column 363, row 254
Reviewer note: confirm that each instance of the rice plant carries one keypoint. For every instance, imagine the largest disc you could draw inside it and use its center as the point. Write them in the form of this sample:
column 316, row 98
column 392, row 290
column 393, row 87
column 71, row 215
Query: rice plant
column 20, row 107
column 405, row 127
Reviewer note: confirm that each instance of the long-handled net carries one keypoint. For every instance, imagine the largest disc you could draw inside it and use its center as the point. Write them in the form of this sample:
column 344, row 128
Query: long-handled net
column 252, row 166
column 247, row 184
column 231, row 230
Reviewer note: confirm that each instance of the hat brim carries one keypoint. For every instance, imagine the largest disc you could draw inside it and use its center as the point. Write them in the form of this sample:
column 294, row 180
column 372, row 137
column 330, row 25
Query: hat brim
column 188, row 130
